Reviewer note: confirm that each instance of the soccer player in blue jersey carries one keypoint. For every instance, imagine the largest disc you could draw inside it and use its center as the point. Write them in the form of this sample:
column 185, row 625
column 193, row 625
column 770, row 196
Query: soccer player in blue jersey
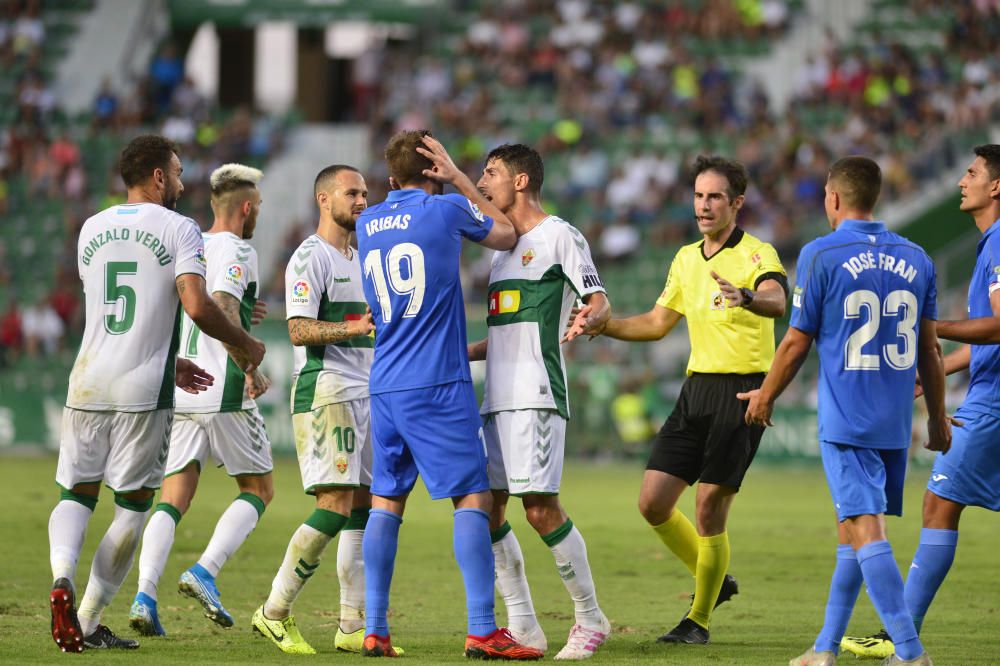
column 867, row 297
column 424, row 415
column 968, row 474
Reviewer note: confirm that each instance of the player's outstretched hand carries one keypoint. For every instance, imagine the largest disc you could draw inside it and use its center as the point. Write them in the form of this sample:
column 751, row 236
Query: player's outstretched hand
column 257, row 383
column 758, row 411
column 732, row 293
column 191, row 378
column 939, row 433
column 444, row 170
column 259, row 312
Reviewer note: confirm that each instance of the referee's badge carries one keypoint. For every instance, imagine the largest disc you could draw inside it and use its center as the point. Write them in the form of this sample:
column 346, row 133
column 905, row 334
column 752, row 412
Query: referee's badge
column 718, row 301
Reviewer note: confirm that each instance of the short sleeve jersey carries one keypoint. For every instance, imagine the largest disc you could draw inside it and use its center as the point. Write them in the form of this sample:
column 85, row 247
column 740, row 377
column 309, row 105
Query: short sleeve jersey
column 322, row 284
column 984, row 367
column 129, row 258
column 861, row 292
column 724, row 339
column 231, row 269
column 533, row 288
column 410, row 246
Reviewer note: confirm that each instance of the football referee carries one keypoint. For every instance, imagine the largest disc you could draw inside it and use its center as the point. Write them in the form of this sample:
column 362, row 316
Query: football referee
column 730, row 286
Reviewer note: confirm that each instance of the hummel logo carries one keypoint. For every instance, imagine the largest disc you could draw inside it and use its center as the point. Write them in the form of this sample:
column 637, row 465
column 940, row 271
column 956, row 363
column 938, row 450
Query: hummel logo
column 938, row 477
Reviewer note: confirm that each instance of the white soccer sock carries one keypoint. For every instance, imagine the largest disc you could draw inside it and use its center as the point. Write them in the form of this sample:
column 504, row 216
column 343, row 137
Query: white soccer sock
column 512, row 584
column 67, row 529
column 112, row 562
column 307, row 546
column 233, row 528
column 571, row 562
column 351, row 574
column 156, row 543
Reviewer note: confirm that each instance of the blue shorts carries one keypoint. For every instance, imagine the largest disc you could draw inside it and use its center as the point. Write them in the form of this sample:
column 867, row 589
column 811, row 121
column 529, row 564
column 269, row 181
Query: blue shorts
column 864, row 481
column 435, row 431
column 970, row 472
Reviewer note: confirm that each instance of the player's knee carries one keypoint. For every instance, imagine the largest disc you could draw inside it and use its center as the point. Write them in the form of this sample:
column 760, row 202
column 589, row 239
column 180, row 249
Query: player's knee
column 261, row 486
column 652, row 511
column 544, row 518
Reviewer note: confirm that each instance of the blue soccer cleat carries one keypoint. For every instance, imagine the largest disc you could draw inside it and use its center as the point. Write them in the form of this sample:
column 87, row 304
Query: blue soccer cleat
column 143, row 617
column 197, row 583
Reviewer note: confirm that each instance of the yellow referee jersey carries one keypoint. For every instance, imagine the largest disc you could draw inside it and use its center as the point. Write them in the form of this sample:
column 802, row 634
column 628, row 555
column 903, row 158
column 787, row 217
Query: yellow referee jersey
column 724, row 339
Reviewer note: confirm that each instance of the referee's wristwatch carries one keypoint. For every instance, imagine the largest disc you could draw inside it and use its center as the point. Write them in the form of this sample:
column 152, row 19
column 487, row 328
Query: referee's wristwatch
column 747, row 295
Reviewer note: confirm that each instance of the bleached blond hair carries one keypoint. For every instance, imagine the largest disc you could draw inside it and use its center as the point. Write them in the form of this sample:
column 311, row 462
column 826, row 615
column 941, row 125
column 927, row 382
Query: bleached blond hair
column 231, row 176
column 231, row 180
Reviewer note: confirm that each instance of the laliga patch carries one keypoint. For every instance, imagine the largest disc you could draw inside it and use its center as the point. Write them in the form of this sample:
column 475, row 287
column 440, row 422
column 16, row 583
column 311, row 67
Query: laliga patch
column 300, row 292
column 797, row 298
column 199, row 255
column 234, row 274
column 476, row 213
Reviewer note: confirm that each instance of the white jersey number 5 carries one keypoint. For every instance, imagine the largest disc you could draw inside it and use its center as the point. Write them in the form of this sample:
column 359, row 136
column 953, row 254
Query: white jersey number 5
column 901, row 304
column 412, row 285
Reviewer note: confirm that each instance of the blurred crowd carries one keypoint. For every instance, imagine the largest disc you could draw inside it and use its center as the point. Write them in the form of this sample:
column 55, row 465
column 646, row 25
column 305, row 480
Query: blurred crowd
column 57, row 170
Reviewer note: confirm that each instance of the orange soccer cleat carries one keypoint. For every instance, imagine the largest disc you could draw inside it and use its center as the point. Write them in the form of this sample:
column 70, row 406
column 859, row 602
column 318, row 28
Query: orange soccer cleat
column 499, row 645
column 378, row 646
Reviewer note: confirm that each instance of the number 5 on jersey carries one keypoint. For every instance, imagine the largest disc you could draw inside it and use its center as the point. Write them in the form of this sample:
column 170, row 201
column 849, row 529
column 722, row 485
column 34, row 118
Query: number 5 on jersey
column 412, row 285
column 114, row 292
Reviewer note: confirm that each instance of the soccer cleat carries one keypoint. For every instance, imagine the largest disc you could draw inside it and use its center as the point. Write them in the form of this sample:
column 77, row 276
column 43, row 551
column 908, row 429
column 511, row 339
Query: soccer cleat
column 922, row 660
column 688, row 631
column 354, row 641
column 730, row 588
column 65, row 626
column 282, row 633
column 876, row 646
column 813, row 658
column 143, row 616
column 103, row 638
column 534, row 638
column 377, row 646
column 499, row 645
column 583, row 642
column 197, row 583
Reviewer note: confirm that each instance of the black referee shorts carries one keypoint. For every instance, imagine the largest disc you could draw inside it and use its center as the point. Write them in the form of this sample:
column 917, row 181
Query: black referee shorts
column 705, row 438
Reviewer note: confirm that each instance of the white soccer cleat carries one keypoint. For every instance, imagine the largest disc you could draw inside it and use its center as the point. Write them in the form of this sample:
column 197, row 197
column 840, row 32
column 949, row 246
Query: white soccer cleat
column 583, row 641
column 813, row 658
column 534, row 637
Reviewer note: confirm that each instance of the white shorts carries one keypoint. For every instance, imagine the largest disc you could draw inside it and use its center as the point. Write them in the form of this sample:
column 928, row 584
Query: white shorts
column 525, row 449
column 127, row 450
column 333, row 445
column 235, row 440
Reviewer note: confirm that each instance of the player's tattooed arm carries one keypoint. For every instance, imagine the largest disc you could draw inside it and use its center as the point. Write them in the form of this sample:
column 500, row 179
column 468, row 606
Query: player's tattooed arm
column 257, row 383
column 304, row 331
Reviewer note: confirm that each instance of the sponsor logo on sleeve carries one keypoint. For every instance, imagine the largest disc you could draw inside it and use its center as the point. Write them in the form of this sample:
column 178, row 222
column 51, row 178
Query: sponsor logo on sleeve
column 234, row 274
column 797, row 297
column 592, row 281
column 300, row 292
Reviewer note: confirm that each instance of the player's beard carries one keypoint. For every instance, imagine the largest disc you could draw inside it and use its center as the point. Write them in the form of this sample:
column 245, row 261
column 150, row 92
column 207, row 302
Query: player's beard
column 349, row 222
column 170, row 197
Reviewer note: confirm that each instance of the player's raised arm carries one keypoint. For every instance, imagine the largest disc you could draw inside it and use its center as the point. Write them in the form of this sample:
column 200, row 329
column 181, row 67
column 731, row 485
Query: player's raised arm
column 207, row 315
column 502, row 236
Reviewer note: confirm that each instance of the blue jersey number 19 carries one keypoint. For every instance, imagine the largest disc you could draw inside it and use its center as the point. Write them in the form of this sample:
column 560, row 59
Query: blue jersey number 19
column 413, row 284
column 899, row 303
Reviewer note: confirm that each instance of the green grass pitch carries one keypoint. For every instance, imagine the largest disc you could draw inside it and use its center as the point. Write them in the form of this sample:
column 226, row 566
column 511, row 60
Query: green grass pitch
column 782, row 534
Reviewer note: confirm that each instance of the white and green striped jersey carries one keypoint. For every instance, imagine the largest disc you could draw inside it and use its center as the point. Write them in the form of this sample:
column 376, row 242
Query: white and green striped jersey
column 321, row 283
column 231, row 269
column 533, row 288
column 129, row 258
